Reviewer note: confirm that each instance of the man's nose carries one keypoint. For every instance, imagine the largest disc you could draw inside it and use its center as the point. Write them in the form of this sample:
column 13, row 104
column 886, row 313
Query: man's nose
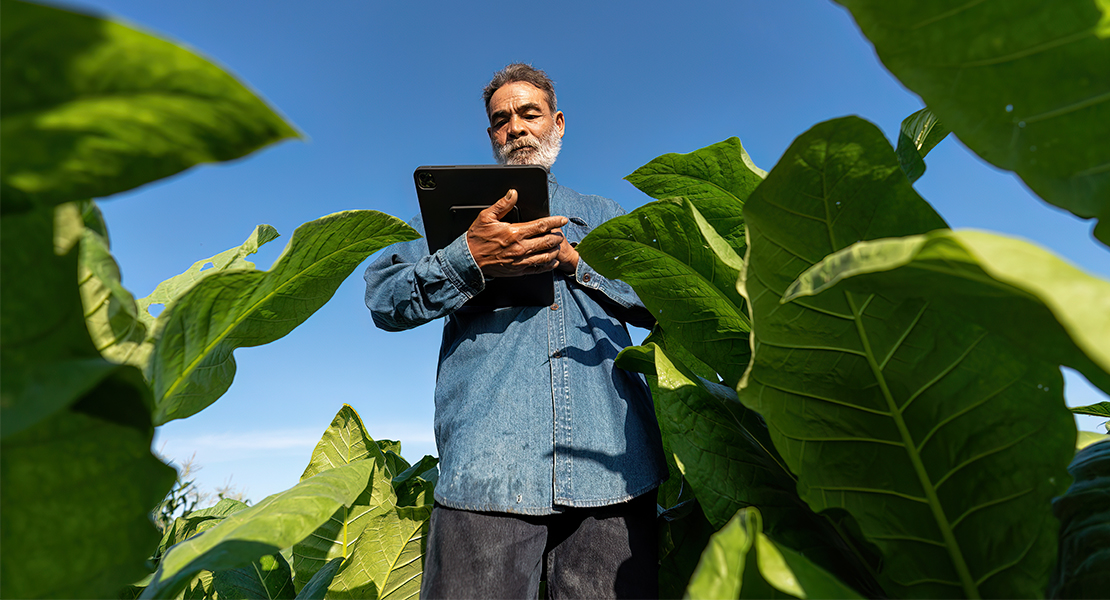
column 516, row 127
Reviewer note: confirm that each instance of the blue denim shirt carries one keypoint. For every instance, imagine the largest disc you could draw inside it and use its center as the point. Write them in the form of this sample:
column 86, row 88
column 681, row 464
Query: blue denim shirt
column 531, row 414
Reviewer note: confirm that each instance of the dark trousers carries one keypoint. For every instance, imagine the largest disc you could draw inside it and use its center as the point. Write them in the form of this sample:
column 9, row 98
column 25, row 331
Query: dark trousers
column 604, row 552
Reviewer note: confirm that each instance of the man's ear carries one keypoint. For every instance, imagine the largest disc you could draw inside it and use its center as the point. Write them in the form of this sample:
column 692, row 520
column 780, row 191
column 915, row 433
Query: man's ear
column 560, row 123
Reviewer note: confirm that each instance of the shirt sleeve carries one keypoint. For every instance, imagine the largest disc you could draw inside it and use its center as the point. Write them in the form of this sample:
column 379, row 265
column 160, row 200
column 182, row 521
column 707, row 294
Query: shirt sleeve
column 407, row 286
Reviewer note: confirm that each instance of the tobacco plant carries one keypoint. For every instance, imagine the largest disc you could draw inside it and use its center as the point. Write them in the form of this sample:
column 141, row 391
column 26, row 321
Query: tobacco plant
column 864, row 401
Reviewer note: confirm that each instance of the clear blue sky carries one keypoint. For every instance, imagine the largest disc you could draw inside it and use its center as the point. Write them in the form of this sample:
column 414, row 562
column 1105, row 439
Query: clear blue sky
column 380, row 88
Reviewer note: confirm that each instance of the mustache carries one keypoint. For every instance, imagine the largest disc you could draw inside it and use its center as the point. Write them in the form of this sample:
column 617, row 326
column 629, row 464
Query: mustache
column 517, row 144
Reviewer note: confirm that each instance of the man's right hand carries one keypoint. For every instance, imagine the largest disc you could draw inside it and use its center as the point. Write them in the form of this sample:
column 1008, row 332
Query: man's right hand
column 513, row 249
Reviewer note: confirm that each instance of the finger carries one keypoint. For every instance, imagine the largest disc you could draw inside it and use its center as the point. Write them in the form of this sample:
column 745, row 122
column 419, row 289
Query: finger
column 499, row 209
column 543, row 245
column 540, row 227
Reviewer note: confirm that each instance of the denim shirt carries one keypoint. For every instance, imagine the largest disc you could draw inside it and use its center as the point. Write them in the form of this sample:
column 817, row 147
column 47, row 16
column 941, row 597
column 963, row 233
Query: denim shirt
column 531, row 414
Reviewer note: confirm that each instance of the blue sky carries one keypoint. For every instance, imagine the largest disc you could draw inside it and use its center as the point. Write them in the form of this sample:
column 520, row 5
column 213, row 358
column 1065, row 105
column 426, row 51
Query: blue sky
column 379, row 88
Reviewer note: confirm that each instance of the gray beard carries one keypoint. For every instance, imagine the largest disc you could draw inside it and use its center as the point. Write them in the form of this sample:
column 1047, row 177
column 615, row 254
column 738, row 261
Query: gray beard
column 543, row 151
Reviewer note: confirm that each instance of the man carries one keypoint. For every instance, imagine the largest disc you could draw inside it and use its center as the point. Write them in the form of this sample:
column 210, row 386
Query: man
column 550, row 456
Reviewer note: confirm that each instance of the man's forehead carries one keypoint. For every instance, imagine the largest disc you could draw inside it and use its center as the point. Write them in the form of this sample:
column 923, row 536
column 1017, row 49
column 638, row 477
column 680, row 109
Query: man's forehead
column 518, row 94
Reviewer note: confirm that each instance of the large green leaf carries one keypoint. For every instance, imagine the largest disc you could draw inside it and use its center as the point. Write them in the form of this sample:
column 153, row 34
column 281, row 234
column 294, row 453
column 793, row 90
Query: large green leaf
column 1102, row 409
column 77, row 492
column 1041, row 303
column 683, row 534
column 1022, row 82
column 684, row 272
column 388, row 560
column 170, row 290
column 90, row 107
column 1083, row 569
column 343, row 443
column 267, row 577
column 741, row 562
column 726, row 454
column 944, row 441
column 920, row 133
column 317, row 587
column 277, row 522
column 192, row 363
column 716, row 179
column 197, row 521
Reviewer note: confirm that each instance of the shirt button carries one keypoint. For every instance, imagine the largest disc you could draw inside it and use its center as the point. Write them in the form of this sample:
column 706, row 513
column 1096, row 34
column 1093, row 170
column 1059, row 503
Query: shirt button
column 586, row 277
column 557, row 354
column 555, row 306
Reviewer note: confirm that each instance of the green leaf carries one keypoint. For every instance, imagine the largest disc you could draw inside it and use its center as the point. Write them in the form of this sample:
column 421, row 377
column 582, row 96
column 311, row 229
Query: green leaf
column 684, row 272
column 741, row 562
column 233, row 258
column 111, row 315
column 920, row 133
column 726, row 454
column 317, row 587
column 716, row 179
column 1042, row 304
column 1083, row 569
column 944, row 441
column 197, row 521
column 1086, row 438
column 416, row 484
column 77, row 493
column 683, row 534
column 192, row 363
column 388, row 560
column 96, row 107
column 1102, row 409
column 344, row 442
column 1022, row 83
column 276, row 522
column 267, row 577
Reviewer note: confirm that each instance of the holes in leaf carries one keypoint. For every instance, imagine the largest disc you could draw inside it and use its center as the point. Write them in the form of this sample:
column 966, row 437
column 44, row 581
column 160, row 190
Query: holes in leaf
column 155, row 309
column 206, row 266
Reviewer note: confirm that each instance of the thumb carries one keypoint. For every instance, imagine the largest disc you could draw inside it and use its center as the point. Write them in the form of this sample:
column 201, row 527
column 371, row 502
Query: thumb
column 499, row 209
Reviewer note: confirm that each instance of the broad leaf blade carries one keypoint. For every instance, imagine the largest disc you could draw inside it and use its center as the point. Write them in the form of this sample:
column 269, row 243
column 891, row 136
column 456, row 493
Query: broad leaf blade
column 684, row 272
column 277, row 522
column 96, row 107
column 741, row 562
column 1102, row 409
column 192, row 364
column 943, row 441
column 267, row 577
column 78, row 488
column 388, row 559
column 343, row 443
column 727, row 456
column 1041, row 303
column 920, row 133
column 233, row 258
column 1022, row 83
column 1083, row 570
column 317, row 587
column 716, row 179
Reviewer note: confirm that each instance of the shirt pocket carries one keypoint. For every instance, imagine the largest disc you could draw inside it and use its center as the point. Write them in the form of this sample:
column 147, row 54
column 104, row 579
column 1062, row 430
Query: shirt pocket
column 575, row 230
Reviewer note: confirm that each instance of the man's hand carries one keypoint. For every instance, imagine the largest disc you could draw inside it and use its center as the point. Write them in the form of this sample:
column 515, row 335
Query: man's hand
column 568, row 256
column 514, row 249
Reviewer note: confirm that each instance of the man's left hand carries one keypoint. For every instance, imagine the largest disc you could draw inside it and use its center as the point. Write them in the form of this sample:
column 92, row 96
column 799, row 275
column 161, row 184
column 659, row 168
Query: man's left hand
column 568, row 256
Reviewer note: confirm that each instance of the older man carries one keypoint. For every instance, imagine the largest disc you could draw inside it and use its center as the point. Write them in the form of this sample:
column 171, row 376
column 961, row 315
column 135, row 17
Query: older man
column 550, row 455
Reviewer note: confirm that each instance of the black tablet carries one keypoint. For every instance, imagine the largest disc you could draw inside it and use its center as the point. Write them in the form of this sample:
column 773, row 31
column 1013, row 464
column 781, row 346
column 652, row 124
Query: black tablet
column 451, row 198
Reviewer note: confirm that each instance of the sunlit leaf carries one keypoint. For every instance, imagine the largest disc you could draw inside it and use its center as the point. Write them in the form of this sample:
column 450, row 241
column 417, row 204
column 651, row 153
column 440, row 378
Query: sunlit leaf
column 277, row 522
column 1042, row 304
column 192, row 364
column 684, row 272
column 1023, row 83
column 267, row 577
column 944, row 441
column 1102, row 409
column 920, row 133
column 388, row 560
column 343, row 443
column 96, row 107
column 741, row 562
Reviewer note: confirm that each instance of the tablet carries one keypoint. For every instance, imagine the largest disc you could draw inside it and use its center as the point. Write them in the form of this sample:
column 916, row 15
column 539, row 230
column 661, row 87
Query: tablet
column 452, row 196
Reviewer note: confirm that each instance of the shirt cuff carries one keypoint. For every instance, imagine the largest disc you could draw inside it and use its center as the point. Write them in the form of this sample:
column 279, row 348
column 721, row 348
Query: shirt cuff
column 461, row 268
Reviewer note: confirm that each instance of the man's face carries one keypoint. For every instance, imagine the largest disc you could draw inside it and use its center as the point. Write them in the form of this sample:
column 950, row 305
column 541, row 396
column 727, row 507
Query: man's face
column 522, row 130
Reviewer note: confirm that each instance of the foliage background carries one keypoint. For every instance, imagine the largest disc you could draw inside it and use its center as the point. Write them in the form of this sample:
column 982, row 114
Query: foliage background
column 379, row 90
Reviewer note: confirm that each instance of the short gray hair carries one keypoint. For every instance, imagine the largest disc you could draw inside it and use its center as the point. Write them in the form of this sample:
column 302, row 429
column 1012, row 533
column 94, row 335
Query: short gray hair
column 525, row 73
